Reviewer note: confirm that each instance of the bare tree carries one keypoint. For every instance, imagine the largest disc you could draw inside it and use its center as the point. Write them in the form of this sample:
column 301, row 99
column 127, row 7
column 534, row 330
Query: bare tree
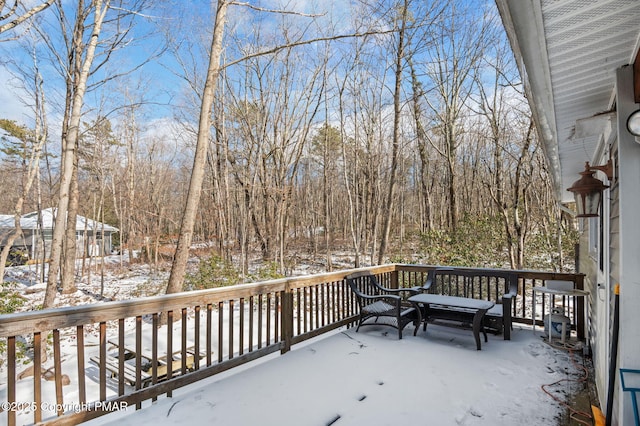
column 426, row 183
column 87, row 49
column 511, row 148
column 453, row 61
column 81, row 56
column 207, row 98
column 28, row 150
column 401, row 46
column 178, row 268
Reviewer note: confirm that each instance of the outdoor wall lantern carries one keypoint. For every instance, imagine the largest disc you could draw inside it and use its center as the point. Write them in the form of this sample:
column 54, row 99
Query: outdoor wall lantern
column 633, row 123
column 588, row 190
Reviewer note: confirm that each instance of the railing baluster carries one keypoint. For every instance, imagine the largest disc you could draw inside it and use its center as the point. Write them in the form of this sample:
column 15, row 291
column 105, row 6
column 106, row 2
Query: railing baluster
column 11, row 381
column 285, row 298
column 183, row 341
column 138, row 357
column 298, row 311
column 37, row 375
column 154, row 351
column 82, row 389
column 220, row 330
column 276, row 319
column 335, row 302
column 57, row 368
column 196, row 338
column 268, row 315
column 316, row 309
column 306, row 309
column 321, row 304
column 231, row 331
column 209, row 334
column 121, row 355
column 241, row 327
column 259, row 321
column 103, row 360
column 169, row 348
column 251, row 330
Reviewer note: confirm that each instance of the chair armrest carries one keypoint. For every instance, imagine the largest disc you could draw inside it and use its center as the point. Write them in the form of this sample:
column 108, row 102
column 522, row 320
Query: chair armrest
column 509, row 295
column 391, row 297
column 424, row 288
column 403, row 293
column 513, row 287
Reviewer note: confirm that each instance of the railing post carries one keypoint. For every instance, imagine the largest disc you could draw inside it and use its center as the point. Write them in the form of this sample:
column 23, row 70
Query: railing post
column 286, row 318
column 394, row 279
column 580, row 311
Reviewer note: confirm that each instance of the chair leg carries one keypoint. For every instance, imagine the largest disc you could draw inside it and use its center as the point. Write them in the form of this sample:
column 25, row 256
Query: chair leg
column 506, row 330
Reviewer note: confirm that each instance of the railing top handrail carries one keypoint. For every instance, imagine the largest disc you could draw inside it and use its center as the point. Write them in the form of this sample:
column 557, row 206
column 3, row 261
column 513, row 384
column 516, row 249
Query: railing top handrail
column 71, row 316
column 525, row 273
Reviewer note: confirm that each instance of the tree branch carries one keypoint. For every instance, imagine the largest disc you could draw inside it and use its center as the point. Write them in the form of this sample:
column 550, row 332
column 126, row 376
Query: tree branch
column 305, row 42
column 24, row 17
column 282, row 12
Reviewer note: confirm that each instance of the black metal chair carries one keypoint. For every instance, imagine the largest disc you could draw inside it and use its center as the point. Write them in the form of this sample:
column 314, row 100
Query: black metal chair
column 386, row 306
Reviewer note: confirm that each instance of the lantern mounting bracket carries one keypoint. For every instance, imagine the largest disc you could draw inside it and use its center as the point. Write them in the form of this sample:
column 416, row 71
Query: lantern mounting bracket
column 607, row 169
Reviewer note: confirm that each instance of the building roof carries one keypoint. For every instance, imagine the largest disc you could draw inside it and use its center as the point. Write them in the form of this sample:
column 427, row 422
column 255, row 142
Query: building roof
column 30, row 221
column 568, row 52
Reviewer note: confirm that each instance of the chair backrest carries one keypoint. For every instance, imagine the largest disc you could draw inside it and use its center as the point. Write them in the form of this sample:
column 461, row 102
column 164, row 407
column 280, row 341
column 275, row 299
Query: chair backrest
column 510, row 279
column 559, row 285
column 363, row 282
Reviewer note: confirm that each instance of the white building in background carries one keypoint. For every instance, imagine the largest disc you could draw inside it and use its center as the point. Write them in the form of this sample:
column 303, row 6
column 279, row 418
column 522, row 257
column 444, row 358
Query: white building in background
column 92, row 238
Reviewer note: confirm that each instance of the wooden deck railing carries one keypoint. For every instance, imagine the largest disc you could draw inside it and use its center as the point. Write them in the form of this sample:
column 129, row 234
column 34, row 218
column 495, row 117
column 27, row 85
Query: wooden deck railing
column 133, row 351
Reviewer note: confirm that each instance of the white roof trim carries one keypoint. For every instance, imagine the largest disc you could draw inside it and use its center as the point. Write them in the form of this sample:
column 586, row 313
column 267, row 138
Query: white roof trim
column 30, row 221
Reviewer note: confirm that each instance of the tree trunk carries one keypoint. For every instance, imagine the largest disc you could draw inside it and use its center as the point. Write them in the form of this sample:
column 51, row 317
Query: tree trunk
column 388, row 205
column 70, row 138
column 70, row 249
column 179, row 266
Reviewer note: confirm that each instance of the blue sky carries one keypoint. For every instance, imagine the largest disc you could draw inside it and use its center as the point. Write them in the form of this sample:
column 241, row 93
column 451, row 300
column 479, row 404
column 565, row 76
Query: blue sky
column 159, row 81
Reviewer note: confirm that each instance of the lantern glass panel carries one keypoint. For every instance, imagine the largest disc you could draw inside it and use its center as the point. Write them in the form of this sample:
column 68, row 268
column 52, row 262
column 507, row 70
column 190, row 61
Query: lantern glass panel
column 592, row 203
column 587, row 205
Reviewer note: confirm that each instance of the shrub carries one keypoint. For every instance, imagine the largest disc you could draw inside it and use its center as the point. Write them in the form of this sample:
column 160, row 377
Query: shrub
column 11, row 301
column 212, row 272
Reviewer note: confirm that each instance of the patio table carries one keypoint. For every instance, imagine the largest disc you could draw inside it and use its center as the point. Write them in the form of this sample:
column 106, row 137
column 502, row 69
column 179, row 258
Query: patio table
column 457, row 308
column 564, row 292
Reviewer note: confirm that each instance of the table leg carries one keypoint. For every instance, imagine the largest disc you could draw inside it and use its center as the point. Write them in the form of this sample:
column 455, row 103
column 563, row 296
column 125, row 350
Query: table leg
column 533, row 312
column 477, row 327
column 420, row 319
column 549, row 312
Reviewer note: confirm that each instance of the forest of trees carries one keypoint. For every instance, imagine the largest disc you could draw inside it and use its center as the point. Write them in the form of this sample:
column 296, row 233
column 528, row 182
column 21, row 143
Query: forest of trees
column 393, row 130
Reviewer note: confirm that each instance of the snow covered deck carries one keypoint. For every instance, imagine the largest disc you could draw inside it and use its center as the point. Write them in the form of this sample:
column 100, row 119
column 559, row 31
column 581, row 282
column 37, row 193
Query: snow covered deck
column 370, row 377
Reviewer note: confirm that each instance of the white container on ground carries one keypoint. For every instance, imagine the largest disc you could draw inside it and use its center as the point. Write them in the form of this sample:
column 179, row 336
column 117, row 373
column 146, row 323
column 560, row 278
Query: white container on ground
column 557, row 322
